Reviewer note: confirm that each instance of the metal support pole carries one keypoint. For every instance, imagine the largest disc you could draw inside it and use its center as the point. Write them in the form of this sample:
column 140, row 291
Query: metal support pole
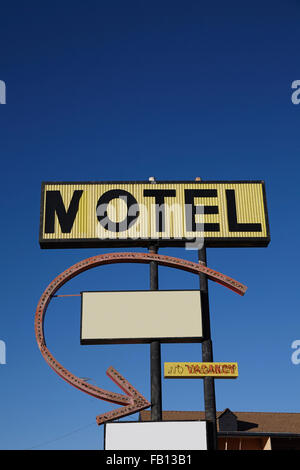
column 155, row 354
column 207, row 356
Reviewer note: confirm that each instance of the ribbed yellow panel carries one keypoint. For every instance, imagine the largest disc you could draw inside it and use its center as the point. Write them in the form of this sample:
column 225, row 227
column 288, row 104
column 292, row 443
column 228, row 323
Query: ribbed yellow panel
column 249, row 204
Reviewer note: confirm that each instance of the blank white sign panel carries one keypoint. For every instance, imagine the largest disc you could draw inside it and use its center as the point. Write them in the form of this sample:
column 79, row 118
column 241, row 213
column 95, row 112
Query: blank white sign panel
column 140, row 316
column 164, row 435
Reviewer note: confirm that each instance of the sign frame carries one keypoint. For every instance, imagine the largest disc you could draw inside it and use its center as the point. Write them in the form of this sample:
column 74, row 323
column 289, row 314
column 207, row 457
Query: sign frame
column 142, row 340
column 213, row 242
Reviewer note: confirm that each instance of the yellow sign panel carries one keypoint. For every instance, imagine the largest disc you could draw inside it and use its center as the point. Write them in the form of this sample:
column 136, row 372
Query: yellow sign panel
column 172, row 213
column 184, row 370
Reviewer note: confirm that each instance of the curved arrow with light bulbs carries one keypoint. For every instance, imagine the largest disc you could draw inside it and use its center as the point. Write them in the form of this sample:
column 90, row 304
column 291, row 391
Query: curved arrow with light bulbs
column 133, row 401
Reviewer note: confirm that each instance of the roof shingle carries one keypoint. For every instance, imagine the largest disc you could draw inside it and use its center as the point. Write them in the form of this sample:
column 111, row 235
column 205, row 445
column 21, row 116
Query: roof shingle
column 264, row 422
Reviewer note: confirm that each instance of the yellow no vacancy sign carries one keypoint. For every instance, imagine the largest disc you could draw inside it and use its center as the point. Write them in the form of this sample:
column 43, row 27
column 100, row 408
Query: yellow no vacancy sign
column 186, row 370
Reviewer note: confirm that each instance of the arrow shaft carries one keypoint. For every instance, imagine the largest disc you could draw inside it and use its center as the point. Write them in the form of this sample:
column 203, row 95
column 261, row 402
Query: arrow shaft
column 82, row 385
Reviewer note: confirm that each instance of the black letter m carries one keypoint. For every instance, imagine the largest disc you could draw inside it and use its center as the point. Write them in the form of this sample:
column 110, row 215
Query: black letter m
column 54, row 204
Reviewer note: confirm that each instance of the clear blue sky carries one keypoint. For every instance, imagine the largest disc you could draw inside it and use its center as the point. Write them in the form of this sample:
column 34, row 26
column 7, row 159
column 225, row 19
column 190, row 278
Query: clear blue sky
column 123, row 91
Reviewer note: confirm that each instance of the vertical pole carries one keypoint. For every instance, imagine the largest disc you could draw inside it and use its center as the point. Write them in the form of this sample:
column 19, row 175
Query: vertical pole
column 155, row 354
column 207, row 356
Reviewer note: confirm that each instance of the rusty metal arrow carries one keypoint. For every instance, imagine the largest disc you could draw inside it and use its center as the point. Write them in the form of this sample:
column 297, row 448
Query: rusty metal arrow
column 137, row 401
column 133, row 401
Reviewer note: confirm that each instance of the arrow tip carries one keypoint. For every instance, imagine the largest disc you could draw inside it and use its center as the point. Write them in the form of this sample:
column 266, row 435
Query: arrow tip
column 138, row 401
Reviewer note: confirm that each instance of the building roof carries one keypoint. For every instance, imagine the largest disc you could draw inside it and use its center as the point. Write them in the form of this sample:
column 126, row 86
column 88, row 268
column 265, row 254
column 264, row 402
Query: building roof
column 251, row 422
